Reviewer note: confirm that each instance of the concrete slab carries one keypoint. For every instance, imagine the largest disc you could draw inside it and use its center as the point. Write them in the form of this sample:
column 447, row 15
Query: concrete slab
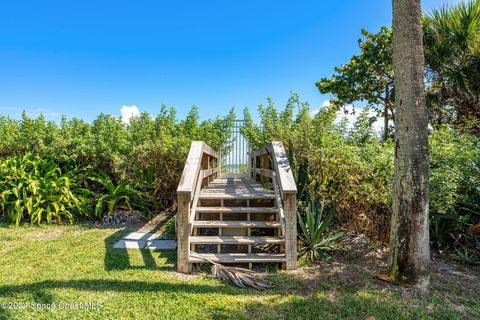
column 162, row 245
column 141, row 236
column 130, row 244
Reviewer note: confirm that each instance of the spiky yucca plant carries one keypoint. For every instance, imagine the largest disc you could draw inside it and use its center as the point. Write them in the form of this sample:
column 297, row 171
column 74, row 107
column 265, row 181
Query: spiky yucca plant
column 315, row 239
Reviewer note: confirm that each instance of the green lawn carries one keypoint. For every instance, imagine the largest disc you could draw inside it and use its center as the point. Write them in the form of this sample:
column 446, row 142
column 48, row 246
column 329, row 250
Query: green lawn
column 64, row 265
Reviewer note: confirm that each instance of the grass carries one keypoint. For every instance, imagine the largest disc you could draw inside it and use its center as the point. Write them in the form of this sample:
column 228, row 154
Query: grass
column 67, row 265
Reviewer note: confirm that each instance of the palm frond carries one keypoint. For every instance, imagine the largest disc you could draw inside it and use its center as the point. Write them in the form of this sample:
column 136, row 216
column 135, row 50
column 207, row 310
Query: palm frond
column 239, row 277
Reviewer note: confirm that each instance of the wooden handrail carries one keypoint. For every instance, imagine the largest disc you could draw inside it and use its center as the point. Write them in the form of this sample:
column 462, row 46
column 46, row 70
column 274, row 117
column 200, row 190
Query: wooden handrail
column 281, row 167
column 259, row 152
column 190, row 175
column 191, row 182
column 271, row 162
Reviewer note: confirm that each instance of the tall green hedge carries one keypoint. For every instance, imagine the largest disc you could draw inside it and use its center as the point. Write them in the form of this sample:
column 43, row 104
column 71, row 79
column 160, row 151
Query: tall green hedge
column 149, row 152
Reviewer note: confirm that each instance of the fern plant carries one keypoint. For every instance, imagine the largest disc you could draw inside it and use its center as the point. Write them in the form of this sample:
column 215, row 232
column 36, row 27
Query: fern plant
column 121, row 195
column 315, row 239
column 36, row 189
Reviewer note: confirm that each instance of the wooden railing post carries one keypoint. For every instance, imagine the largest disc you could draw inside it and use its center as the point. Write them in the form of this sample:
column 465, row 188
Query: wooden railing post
column 183, row 233
column 290, row 211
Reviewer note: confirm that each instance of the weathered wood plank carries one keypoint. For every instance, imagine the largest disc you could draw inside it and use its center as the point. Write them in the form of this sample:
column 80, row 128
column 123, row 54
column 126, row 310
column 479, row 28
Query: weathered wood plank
column 290, row 210
column 236, row 224
column 235, row 240
column 265, row 172
column 281, row 213
column 208, row 172
column 223, row 196
column 183, row 233
column 189, row 177
column 209, row 151
column 237, row 257
column 259, row 152
column 237, row 209
column 285, row 177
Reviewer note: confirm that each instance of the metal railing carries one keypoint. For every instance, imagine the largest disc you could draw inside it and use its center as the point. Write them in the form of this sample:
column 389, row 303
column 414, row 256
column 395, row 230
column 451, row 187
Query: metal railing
column 237, row 158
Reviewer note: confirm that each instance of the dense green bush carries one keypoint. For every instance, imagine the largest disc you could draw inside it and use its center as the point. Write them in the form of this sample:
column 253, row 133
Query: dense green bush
column 36, row 189
column 454, row 187
column 348, row 165
column 147, row 155
column 336, row 162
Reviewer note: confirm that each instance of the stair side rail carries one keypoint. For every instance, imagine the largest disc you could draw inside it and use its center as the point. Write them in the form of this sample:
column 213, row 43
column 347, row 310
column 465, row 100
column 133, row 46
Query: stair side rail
column 201, row 167
column 271, row 162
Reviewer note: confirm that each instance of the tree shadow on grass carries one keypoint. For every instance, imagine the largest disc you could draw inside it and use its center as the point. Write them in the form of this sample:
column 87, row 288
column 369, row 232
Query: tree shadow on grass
column 40, row 291
column 37, row 289
column 118, row 258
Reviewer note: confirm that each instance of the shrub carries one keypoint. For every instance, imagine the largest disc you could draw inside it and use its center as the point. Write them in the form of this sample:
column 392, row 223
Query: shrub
column 316, row 241
column 350, row 168
column 348, row 165
column 121, row 195
column 148, row 154
column 36, row 189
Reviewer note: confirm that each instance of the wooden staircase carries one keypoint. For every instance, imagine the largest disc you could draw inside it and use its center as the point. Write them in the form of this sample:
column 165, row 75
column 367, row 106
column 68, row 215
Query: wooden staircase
column 235, row 218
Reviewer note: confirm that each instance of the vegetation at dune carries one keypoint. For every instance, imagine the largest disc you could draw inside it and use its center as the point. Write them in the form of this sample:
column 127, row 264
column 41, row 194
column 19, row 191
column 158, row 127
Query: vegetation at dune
column 348, row 166
column 452, row 49
column 100, row 166
column 341, row 164
column 451, row 72
column 120, row 195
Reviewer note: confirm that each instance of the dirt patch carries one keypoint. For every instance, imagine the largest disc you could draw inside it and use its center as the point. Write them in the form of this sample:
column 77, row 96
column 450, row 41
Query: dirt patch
column 354, row 268
column 123, row 218
column 163, row 223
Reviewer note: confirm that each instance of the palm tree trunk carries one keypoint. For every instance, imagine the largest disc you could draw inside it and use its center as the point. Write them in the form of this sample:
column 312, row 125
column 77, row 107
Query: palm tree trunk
column 410, row 249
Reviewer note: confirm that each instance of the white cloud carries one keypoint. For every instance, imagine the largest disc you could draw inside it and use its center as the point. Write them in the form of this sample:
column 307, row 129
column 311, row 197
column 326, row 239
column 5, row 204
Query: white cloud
column 354, row 112
column 128, row 112
column 352, row 116
column 325, row 103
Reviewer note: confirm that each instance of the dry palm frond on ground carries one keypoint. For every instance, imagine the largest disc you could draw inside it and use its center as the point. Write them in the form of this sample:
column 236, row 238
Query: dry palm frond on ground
column 240, row 277
column 474, row 229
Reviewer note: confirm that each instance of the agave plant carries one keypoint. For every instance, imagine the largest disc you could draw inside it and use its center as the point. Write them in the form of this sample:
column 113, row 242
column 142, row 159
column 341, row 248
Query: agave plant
column 36, row 189
column 467, row 250
column 315, row 239
column 121, row 195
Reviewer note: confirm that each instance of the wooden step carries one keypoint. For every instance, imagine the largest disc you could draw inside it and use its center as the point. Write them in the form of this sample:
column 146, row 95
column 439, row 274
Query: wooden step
column 235, row 240
column 236, row 224
column 236, row 209
column 237, row 257
column 236, row 196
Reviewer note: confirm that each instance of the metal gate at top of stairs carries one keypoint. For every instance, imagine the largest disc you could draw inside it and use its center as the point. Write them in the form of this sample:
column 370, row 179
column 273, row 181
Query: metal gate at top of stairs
column 237, row 158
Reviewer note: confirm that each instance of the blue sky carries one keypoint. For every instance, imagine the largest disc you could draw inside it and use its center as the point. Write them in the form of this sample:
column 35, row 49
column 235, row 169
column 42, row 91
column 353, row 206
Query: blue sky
column 80, row 58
